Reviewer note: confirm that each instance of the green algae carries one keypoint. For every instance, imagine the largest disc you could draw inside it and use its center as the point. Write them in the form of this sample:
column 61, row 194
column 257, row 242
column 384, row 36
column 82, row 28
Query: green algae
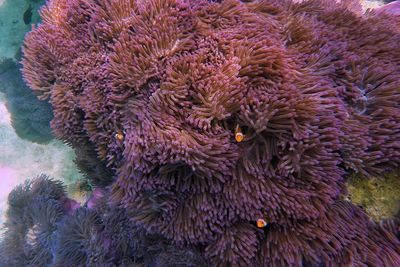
column 379, row 196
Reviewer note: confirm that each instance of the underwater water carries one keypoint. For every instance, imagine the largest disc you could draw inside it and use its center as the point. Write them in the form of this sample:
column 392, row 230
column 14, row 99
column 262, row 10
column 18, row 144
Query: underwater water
column 21, row 159
column 27, row 147
column 13, row 26
column 199, row 133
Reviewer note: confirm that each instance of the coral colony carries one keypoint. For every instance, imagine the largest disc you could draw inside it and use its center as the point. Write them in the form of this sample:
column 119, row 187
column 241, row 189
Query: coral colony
column 216, row 133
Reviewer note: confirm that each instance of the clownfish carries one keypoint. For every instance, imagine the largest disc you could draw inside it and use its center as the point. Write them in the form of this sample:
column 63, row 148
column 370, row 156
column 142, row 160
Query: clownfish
column 261, row 223
column 239, row 136
column 119, row 136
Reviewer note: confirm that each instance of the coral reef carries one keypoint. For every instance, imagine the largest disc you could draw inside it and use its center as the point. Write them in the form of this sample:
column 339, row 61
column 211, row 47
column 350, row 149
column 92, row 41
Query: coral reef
column 212, row 115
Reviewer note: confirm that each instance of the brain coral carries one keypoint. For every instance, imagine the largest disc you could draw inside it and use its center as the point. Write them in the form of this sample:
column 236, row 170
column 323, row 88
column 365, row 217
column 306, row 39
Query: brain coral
column 211, row 115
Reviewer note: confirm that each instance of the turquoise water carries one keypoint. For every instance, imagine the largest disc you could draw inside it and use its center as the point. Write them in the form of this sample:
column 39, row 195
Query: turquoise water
column 12, row 26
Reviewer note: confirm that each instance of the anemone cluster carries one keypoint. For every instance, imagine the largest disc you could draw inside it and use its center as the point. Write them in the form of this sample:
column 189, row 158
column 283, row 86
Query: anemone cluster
column 35, row 208
column 209, row 116
column 46, row 228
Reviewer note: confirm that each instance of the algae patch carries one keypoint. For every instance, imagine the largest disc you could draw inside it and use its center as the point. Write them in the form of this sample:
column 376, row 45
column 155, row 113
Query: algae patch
column 379, row 196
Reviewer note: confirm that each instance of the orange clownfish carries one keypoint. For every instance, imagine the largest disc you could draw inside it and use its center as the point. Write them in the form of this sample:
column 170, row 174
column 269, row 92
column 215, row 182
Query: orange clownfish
column 261, row 223
column 119, row 136
column 239, row 136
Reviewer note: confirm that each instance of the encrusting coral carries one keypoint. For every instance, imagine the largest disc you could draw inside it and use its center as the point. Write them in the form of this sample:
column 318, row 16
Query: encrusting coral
column 213, row 115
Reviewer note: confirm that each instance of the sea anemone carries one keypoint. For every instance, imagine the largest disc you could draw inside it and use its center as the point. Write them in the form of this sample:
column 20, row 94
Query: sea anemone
column 343, row 236
column 93, row 169
column 77, row 240
column 34, row 209
column 41, row 229
column 164, row 88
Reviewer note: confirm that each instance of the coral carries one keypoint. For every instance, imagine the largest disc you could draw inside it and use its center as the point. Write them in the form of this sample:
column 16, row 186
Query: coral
column 30, row 117
column 164, row 88
column 380, row 196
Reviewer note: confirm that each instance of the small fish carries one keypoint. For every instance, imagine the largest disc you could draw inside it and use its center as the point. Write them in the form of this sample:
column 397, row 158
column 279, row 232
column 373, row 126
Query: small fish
column 261, row 223
column 119, row 136
column 239, row 136
column 28, row 15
